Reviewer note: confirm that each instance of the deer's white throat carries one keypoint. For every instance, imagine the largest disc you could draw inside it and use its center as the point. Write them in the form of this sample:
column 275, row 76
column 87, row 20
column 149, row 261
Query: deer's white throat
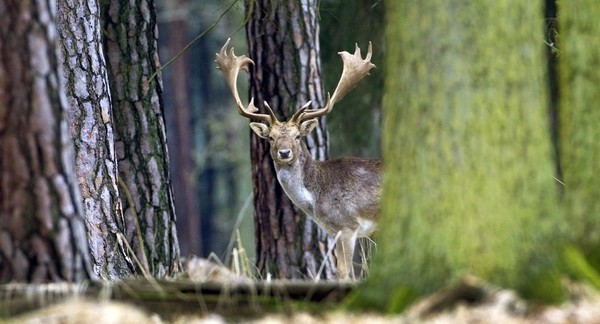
column 292, row 182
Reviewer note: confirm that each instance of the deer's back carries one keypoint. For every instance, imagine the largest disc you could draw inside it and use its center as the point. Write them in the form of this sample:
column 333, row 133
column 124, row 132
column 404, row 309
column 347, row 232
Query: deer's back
column 347, row 193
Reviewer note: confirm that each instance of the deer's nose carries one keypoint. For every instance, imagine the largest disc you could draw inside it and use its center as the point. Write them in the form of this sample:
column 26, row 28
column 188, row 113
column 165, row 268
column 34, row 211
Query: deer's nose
column 284, row 154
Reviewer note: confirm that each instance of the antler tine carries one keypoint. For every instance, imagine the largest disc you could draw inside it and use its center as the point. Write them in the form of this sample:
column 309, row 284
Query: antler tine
column 231, row 65
column 300, row 112
column 355, row 68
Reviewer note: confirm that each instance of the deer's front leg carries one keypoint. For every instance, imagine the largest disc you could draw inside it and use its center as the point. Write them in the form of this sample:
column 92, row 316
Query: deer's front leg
column 344, row 251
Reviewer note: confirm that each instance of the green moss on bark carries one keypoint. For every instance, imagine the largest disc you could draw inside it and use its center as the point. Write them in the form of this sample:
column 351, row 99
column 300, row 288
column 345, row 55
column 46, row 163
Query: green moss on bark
column 469, row 185
column 579, row 119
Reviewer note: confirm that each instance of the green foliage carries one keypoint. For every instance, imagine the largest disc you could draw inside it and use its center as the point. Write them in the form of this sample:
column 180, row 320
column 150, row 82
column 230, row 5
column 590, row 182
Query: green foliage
column 544, row 286
column 392, row 300
column 401, row 298
column 579, row 268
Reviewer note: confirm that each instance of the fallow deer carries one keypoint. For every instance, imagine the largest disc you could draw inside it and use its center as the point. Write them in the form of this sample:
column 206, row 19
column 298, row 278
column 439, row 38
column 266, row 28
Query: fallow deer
column 342, row 196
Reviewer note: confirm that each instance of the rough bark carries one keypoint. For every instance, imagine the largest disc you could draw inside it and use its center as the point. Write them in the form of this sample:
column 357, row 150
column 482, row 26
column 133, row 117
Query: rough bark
column 468, row 185
column 91, row 125
column 42, row 230
column 579, row 117
column 284, row 44
column 141, row 148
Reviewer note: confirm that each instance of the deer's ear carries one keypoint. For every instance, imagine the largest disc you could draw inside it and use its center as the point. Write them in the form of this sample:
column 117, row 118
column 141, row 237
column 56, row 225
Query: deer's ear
column 260, row 129
column 307, row 126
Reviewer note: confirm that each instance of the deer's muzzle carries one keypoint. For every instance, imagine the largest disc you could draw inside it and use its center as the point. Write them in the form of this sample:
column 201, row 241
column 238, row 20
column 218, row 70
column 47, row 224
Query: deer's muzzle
column 284, row 154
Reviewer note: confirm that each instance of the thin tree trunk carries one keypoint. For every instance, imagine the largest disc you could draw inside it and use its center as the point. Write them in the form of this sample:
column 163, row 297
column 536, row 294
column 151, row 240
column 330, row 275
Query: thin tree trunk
column 283, row 42
column 42, row 230
column 355, row 124
column 184, row 177
column 91, row 125
column 141, row 148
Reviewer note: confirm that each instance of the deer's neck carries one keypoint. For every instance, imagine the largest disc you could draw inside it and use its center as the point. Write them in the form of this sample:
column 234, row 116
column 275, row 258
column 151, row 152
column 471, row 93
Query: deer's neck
column 295, row 177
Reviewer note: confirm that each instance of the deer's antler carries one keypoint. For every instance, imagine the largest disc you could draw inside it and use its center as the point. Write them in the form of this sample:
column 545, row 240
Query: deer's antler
column 231, row 65
column 355, row 68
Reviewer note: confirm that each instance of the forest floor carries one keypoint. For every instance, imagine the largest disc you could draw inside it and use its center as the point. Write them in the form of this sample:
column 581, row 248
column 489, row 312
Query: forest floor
column 503, row 308
column 469, row 301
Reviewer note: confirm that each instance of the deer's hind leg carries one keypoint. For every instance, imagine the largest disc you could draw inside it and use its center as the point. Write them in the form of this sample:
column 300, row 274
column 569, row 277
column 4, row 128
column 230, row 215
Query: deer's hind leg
column 344, row 251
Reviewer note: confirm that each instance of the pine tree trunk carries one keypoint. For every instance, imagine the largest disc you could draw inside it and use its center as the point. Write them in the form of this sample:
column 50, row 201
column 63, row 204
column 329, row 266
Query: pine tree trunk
column 141, row 148
column 283, row 42
column 184, row 173
column 468, row 185
column 91, row 125
column 579, row 117
column 42, row 230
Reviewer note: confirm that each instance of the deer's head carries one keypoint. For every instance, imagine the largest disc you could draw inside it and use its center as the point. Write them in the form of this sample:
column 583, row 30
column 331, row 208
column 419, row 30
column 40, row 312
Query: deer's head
column 285, row 137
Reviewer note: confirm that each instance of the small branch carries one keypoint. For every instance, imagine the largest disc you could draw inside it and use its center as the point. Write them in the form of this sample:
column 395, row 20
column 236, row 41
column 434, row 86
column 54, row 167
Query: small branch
column 194, row 40
column 551, row 45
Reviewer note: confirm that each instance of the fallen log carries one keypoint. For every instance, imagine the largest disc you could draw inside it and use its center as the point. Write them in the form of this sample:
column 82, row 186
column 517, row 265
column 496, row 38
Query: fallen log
column 169, row 297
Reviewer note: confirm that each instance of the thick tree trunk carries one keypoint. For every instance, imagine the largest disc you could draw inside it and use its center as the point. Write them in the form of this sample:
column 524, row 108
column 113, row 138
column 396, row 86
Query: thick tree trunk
column 141, row 147
column 283, row 42
column 468, row 185
column 91, row 125
column 42, row 230
column 579, row 117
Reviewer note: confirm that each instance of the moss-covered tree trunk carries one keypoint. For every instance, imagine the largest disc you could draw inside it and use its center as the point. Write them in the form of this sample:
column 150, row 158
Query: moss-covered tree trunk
column 469, row 185
column 91, row 125
column 579, row 119
column 141, row 148
column 283, row 42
